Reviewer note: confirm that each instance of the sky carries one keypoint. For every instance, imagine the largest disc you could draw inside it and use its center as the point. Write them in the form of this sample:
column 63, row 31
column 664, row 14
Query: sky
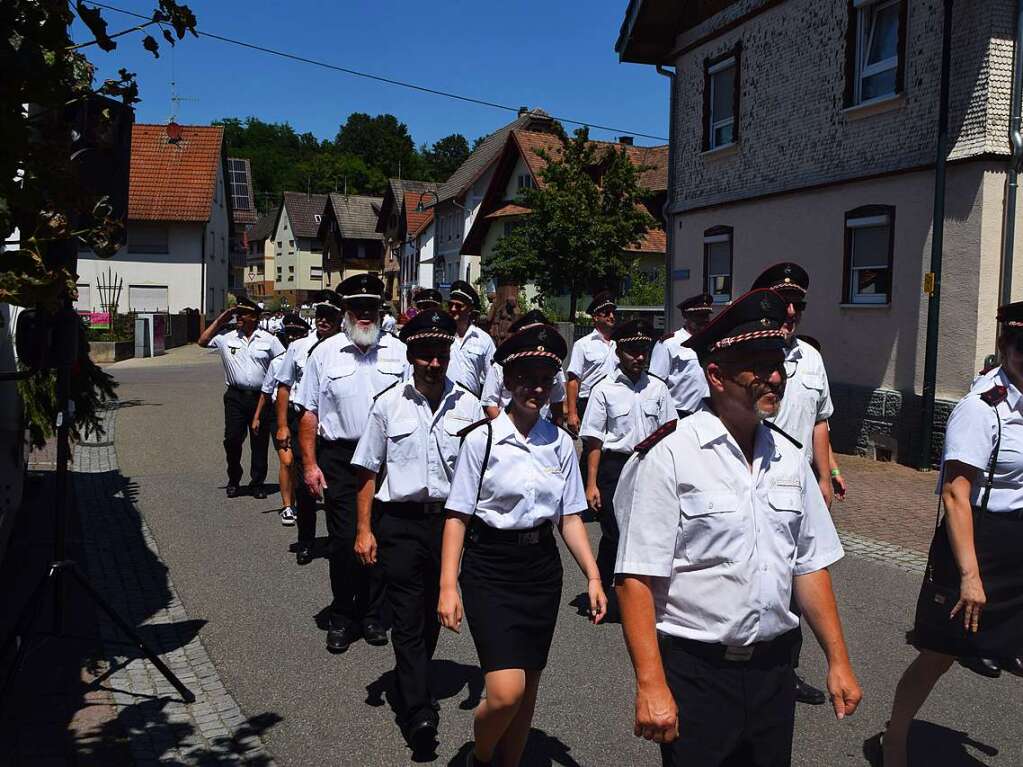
column 554, row 54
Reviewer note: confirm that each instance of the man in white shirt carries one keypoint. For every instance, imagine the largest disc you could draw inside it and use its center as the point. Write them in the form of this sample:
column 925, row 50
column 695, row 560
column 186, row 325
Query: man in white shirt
column 473, row 350
column 592, row 358
column 676, row 364
column 410, row 444
column 722, row 525
column 341, row 378
column 387, row 321
column 245, row 353
column 624, row 409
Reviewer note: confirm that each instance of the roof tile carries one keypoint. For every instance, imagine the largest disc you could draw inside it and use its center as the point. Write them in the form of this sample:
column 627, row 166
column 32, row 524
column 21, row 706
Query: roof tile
column 173, row 181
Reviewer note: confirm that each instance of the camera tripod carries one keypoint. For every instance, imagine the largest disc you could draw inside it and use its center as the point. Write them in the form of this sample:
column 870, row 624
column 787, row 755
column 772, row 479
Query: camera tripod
column 63, row 570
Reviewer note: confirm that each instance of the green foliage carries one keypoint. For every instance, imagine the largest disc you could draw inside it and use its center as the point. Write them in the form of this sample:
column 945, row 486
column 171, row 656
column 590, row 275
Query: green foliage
column 272, row 304
column 44, row 69
column 446, row 155
column 645, row 288
column 574, row 240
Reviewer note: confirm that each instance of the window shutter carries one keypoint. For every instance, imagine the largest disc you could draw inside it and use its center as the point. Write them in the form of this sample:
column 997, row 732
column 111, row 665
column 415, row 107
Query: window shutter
column 706, row 105
column 736, row 89
column 900, row 71
column 850, row 54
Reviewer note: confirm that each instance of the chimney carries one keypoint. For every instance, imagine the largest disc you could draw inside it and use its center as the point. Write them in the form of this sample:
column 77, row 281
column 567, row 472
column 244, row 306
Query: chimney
column 523, row 110
column 174, row 133
column 626, row 140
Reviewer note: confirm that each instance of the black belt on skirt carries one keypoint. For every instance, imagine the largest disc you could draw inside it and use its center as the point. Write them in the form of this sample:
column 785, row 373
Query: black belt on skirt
column 769, row 652
column 481, row 532
column 243, row 390
column 412, row 509
column 1015, row 515
column 336, row 444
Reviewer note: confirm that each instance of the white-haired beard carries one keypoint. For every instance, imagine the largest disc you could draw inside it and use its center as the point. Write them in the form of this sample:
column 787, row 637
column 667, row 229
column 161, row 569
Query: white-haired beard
column 359, row 336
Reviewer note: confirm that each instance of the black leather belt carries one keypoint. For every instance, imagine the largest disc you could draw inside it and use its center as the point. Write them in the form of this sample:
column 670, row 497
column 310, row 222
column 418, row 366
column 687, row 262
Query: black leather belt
column 481, row 532
column 412, row 509
column 779, row 648
column 1016, row 514
column 243, row 390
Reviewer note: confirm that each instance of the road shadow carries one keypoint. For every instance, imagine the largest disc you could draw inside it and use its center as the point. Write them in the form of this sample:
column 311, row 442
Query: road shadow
column 542, row 750
column 448, row 679
column 932, row 744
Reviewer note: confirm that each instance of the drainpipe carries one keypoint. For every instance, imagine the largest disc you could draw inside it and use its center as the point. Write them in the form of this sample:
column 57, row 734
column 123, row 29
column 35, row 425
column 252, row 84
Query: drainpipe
column 202, row 280
column 937, row 243
column 669, row 224
column 1015, row 161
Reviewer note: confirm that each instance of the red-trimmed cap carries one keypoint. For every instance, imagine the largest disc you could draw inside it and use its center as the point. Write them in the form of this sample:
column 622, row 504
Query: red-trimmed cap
column 753, row 321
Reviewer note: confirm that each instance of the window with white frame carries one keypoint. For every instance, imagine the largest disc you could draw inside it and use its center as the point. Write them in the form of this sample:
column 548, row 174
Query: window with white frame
column 721, row 99
column 525, row 181
column 869, row 245
column 875, row 45
column 315, row 272
column 717, row 263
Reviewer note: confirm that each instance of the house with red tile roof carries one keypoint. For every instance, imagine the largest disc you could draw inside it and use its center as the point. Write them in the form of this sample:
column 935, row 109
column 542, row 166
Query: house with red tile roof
column 351, row 243
column 179, row 225
column 406, row 223
column 297, row 247
column 519, row 165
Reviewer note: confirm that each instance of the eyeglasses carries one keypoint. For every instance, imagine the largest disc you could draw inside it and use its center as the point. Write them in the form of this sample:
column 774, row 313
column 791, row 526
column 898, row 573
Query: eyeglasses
column 457, row 305
column 532, row 382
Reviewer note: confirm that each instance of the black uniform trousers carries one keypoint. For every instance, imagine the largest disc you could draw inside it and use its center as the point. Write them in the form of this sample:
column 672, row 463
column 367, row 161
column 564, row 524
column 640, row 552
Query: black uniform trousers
column 358, row 590
column 611, row 464
column 239, row 408
column 731, row 713
column 409, row 542
column 305, row 504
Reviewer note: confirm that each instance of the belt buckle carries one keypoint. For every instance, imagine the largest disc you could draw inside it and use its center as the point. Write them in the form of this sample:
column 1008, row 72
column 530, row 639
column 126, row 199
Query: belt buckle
column 529, row 538
column 739, row 654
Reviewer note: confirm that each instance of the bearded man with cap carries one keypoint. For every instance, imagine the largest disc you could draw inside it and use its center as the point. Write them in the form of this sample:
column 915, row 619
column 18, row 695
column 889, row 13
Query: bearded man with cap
column 336, row 392
column 245, row 354
column 496, row 397
column 411, row 441
column 722, row 525
column 473, row 350
column 806, row 408
column 624, row 409
column 592, row 358
column 676, row 364
column 327, row 308
column 427, row 298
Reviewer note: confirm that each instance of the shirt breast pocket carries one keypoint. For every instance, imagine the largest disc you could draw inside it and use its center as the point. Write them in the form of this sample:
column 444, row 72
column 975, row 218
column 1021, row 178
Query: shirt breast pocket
column 813, row 384
column 786, row 510
column 652, row 412
column 550, row 488
column 401, row 440
column 260, row 350
column 340, row 382
column 618, row 410
column 391, row 367
column 712, row 528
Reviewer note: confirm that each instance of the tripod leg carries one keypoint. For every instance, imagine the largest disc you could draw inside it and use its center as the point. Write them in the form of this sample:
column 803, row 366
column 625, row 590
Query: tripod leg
column 129, row 631
column 26, row 619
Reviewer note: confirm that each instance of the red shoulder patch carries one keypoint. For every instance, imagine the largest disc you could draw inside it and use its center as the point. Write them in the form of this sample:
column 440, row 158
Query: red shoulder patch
column 657, row 436
column 995, row 395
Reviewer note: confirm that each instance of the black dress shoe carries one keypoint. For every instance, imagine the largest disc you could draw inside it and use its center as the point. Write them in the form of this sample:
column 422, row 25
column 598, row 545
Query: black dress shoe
column 421, row 734
column 304, row 553
column 374, row 634
column 434, row 703
column 986, row 667
column 232, row 491
column 258, row 490
column 340, row 639
column 1013, row 665
column 808, row 694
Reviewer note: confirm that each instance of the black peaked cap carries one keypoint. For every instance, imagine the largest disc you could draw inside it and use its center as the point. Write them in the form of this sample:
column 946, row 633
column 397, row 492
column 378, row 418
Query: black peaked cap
column 601, row 302
column 428, row 325
column 753, row 321
column 698, row 304
column 329, row 299
column 532, row 317
column 362, row 286
column 426, row 295
column 292, row 320
column 534, row 342
column 786, row 276
column 465, row 291
column 633, row 331
column 1011, row 315
column 246, row 304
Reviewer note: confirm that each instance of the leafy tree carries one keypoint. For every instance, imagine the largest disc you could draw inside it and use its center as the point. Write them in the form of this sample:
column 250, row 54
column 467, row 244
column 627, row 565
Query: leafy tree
column 573, row 240
column 644, row 289
column 446, row 155
column 44, row 69
column 381, row 142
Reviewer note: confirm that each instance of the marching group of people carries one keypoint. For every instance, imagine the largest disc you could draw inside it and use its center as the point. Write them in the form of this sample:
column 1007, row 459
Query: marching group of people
column 446, row 463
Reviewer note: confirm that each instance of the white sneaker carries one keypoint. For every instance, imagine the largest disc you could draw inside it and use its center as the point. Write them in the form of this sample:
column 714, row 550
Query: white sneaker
column 288, row 516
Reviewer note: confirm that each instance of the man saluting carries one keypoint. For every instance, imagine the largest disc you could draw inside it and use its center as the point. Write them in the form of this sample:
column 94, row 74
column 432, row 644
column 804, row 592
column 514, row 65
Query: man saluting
column 721, row 521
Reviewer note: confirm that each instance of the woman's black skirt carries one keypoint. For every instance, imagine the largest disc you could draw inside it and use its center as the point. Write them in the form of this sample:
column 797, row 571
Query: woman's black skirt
column 998, row 540
column 511, row 590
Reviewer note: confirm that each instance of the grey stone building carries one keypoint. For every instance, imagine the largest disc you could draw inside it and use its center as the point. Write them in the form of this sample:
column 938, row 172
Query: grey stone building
column 806, row 130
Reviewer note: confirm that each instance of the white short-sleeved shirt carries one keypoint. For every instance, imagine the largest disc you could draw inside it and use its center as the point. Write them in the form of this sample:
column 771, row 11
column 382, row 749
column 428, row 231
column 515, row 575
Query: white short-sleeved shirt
column 970, row 436
column 295, row 359
column 340, row 381
column 471, row 358
column 246, row 360
column 679, row 368
column 621, row 414
column 722, row 543
column 270, row 380
column 388, row 323
column 807, row 399
column 528, row 480
column 593, row 357
column 494, row 393
column 417, row 445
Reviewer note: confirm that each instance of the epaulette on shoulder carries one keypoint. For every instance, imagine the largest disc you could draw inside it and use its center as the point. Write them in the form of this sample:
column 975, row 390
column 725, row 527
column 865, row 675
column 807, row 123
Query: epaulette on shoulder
column 995, row 395
column 656, row 436
column 785, row 434
column 384, row 391
column 463, row 433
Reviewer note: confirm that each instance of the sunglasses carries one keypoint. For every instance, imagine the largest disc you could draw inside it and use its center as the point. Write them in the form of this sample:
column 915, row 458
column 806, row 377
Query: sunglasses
column 363, row 306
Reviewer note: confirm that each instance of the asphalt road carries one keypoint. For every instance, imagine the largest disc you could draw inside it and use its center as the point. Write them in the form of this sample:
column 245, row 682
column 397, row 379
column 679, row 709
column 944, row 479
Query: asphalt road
column 230, row 562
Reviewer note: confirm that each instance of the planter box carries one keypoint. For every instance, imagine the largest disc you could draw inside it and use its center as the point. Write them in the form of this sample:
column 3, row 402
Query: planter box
column 111, row 351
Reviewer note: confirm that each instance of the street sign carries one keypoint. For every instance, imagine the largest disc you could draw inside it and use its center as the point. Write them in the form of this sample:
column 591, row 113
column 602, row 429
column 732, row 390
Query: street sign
column 679, row 274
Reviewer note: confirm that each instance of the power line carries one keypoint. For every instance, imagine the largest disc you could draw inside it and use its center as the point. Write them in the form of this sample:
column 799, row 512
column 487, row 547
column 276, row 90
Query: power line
column 387, row 80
